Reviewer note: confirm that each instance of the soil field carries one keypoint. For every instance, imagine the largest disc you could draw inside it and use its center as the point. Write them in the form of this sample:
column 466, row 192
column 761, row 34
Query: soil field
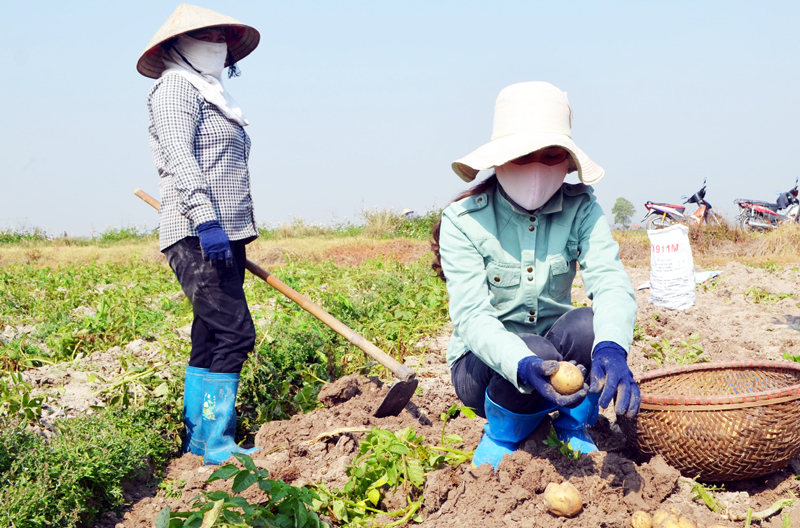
column 744, row 313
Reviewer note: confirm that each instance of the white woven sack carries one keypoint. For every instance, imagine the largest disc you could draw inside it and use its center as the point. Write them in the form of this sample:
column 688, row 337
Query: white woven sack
column 672, row 280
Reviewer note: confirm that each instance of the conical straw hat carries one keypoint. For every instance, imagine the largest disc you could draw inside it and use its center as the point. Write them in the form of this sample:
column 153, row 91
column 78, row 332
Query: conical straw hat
column 528, row 117
column 189, row 18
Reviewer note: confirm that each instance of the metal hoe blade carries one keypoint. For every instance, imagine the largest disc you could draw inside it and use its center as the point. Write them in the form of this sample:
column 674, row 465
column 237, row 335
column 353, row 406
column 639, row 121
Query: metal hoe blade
column 397, row 398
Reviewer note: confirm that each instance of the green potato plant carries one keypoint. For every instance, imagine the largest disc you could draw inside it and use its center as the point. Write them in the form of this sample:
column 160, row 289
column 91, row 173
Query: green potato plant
column 285, row 506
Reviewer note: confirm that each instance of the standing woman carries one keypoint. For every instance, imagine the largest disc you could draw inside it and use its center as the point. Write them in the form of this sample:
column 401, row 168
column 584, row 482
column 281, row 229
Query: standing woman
column 200, row 149
column 507, row 249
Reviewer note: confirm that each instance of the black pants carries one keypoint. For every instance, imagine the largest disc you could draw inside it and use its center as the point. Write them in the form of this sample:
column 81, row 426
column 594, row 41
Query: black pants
column 222, row 331
column 570, row 338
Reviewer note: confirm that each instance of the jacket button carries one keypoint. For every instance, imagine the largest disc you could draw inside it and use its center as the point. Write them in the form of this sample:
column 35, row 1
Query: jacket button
column 533, row 312
column 530, row 278
column 533, row 219
column 531, row 228
column 531, row 318
column 480, row 200
column 530, row 269
column 497, row 279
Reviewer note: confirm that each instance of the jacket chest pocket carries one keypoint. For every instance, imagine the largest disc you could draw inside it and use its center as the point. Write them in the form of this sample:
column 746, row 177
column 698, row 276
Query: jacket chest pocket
column 503, row 282
column 562, row 273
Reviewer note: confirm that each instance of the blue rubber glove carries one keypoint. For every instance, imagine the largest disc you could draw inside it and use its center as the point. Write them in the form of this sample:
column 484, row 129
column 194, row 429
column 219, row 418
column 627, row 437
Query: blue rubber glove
column 535, row 372
column 215, row 244
column 611, row 374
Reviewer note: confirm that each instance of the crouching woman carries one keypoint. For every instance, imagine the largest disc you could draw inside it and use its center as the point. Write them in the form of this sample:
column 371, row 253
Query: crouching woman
column 507, row 249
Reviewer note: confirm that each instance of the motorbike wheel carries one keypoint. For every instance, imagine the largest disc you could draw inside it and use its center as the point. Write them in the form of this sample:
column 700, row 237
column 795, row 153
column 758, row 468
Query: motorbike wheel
column 656, row 222
column 744, row 225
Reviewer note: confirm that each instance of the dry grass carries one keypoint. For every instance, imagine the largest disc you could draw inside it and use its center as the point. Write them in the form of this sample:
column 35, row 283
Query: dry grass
column 717, row 245
column 343, row 251
column 711, row 246
column 267, row 253
column 53, row 254
column 299, row 228
column 379, row 222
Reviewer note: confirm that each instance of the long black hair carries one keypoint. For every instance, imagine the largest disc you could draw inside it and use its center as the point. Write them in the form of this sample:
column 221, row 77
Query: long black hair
column 482, row 187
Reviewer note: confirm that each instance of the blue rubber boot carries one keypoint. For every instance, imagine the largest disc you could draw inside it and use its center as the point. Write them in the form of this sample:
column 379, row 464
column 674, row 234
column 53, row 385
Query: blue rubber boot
column 571, row 424
column 193, row 392
column 503, row 433
column 219, row 418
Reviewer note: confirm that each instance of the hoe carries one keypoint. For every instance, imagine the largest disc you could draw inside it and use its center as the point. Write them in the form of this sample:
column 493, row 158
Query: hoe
column 399, row 394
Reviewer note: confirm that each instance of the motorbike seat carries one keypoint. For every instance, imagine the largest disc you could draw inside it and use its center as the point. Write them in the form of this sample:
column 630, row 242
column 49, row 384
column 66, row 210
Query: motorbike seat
column 679, row 208
column 771, row 206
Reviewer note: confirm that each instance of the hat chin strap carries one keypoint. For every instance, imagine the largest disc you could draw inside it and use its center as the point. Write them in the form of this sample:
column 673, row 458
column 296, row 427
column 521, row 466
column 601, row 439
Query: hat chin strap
column 531, row 185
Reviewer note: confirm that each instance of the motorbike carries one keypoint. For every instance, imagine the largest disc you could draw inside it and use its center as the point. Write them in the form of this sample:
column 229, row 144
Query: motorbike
column 760, row 216
column 661, row 214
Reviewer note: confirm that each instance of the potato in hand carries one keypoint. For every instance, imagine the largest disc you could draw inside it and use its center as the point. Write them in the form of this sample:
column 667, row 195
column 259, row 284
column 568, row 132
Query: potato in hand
column 568, row 379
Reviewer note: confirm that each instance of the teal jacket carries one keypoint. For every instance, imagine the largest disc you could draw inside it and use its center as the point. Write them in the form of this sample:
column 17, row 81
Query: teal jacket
column 511, row 272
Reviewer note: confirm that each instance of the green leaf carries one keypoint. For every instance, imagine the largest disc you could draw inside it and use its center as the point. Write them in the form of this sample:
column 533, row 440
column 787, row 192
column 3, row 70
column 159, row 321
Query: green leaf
column 217, row 495
column 243, row 480
column 453, row 439
column 300, row 514
column 162, row 521
column 398, row 449
column 246, row 461
column 223, row 473
column 339, row 510
column 469, row 412
column 391, row 474
column 161, row 391
column 239, row 502
column 193, row 522
column 416, row 474
column 380, row 482
column 266, row 485
column 374, row 496
column 232, row 517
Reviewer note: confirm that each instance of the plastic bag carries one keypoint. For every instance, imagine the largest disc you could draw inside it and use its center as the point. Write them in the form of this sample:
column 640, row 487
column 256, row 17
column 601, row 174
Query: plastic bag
column 672, row 280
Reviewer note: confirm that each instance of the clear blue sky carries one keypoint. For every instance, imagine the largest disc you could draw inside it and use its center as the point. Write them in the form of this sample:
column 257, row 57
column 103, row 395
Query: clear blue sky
column 366, row 104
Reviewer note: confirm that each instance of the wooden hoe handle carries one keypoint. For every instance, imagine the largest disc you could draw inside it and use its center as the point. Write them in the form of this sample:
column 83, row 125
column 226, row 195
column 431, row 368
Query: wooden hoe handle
column 400, row 371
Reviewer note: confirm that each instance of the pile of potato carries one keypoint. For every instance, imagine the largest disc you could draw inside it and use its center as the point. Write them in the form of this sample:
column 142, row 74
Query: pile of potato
column 564, row 500
column 663, row 519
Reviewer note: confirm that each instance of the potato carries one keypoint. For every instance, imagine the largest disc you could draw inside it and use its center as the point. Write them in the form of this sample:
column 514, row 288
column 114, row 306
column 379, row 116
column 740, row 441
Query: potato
column 567, row 379
column 641, row 519
column 659, row 517
column 683, row 522
column 562, row 499
column 669, row 522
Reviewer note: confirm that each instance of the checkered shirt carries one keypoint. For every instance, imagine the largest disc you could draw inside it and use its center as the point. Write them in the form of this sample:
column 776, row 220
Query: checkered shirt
column 201, row 157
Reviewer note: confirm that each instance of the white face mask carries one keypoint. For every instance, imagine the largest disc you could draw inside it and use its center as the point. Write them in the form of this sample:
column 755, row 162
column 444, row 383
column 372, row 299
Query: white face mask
column 207, row 57
column 533, row 184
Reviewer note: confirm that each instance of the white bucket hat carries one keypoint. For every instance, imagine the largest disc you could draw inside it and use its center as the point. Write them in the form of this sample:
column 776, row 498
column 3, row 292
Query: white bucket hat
column 528, row 117
column 189, row 18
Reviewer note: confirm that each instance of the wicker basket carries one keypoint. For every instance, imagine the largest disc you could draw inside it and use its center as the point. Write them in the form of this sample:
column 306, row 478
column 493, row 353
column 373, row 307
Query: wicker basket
column 720, row 421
